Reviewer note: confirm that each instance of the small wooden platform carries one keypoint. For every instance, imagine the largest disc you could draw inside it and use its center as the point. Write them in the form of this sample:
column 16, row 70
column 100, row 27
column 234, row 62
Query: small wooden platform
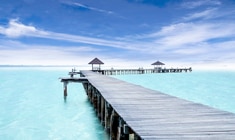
column 150, row 115
column 74, row 79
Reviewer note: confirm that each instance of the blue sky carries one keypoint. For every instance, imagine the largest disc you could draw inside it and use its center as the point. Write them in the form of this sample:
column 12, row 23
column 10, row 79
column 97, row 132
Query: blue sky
column 134, row 33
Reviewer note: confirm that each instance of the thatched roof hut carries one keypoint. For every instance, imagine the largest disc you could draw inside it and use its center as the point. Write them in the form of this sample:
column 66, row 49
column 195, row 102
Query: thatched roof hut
column 96, row 61
column 158, row 64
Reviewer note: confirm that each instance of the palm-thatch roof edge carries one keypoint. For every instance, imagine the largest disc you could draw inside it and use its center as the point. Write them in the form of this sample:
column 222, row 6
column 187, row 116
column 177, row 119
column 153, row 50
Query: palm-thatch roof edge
column 96, row 61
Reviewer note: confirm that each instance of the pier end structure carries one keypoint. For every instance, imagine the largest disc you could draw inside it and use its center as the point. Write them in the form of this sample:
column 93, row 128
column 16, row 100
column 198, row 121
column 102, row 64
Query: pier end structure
column 132, row 112
column 98, row 62
column 157, row 69
column 68, row 80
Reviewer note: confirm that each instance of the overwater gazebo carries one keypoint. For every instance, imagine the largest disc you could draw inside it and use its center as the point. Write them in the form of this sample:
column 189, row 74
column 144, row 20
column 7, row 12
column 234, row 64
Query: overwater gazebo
column 158, row 64
column 96, row 61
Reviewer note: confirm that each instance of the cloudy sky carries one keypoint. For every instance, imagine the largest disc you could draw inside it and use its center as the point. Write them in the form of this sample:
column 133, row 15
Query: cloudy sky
column 195, row 33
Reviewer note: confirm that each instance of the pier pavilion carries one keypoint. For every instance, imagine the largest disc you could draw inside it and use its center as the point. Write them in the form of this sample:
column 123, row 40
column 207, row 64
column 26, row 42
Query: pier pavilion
column 96, row 61
column 158, row 64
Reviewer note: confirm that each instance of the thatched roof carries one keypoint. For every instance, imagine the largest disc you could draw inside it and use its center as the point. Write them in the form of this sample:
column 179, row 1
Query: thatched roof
column 158, row 63
column 96, row 61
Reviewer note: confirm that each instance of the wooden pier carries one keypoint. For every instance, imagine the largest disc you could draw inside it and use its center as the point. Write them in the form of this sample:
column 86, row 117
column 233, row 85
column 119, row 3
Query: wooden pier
column 132, row 112
column 142, row 71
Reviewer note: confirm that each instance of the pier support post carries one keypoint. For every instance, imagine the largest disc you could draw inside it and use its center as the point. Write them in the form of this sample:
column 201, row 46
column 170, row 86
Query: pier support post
column 95, row 99
column 65, row 90
column 102, row 111
column 89, row 92
column 123, row 130
column 85, row 86
column 114, row 126
column 98, row 105
column 108, row 113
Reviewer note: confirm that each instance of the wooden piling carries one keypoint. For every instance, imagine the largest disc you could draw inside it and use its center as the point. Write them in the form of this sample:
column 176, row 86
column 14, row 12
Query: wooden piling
column 108, row 113
column 102, row 111
column 114, row 123
column 98, row 105
column 65, row 90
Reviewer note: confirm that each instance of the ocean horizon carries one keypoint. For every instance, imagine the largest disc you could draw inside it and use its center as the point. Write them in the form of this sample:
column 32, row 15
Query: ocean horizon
column 33, row 107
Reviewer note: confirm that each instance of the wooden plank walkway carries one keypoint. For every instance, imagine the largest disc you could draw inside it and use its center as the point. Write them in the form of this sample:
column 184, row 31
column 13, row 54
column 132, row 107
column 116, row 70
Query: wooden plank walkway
column 149, row 114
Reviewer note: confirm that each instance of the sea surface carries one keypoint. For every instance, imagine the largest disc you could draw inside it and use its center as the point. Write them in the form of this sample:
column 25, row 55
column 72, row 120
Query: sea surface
column 32, row 106
column 212, row 88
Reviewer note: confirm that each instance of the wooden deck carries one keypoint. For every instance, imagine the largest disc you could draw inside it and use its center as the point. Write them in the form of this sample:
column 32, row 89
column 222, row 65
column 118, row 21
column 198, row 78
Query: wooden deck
column 129, row 111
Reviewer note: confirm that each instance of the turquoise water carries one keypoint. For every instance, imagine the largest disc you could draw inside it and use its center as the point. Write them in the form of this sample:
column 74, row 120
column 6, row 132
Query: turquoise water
column 212, row 88
column 32, row 104
column 32, row 107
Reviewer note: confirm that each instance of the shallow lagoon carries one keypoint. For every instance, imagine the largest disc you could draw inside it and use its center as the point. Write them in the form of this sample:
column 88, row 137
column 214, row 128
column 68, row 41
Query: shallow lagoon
column 32, row 104
column 32, row 107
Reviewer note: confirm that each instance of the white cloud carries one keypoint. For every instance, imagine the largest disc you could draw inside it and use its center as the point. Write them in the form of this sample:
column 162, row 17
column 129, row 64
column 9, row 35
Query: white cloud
column 198, row 3
column 172, row 36
column 207, row 14
column 92, row 8
column 39, row 57
column 182, row 41
column 181, row 34
column 77, row 4
column 26, row 54
column 190, row 51
column 16, row 29
column 44, row 55
column 194, row 42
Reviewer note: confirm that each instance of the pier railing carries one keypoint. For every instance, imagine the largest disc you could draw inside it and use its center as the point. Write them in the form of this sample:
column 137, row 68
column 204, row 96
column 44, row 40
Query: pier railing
column 142, row 71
